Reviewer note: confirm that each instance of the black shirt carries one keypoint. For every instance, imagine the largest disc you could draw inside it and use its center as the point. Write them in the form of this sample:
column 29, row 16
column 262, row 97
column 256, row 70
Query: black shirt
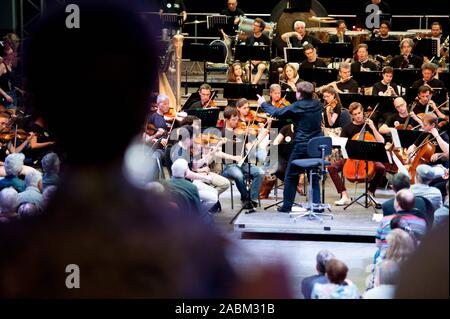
column 351, row 129
column 351, row 86
column 356, row 66
column 380, row 87
column 396, row 119
column 420, row 108
column 230, row 28
column 388, row 38
column 337, row 109
column 414, row 61
column 306, row 39
column 172, row 6
column 261, row 40
column 316, row 64
column 334, row 39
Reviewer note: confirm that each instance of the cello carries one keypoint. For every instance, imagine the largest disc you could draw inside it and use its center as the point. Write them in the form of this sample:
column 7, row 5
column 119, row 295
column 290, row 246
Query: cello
column 356, row 170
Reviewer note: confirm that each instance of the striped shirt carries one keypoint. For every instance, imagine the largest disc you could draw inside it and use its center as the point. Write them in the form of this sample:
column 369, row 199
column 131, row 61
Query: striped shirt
column 429, row 192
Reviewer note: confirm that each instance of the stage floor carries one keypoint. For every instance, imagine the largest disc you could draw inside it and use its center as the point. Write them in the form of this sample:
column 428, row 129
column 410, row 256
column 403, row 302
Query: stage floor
column 354, row 221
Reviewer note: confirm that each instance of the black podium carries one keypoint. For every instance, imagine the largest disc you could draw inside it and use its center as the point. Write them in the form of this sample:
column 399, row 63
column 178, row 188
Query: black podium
column 242, row 90
column 318, row 76
column 383, row 47
column 367, row 79
column 335, row 50
column 366, row 151
column 406, row 77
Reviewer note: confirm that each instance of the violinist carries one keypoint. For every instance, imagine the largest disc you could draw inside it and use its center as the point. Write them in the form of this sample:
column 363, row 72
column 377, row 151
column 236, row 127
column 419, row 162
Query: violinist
column 275, row 96
column 311, row 61
column 363, row 63
column 206, row 101
column 231, row 154
column 157, row 121
column 331, row 112
column 386, row 87
column 40, row 143
column 406, row 59
column 398, row 119
column 209, row 184
column 428, row 73
column 422, row 102
column 349, row 131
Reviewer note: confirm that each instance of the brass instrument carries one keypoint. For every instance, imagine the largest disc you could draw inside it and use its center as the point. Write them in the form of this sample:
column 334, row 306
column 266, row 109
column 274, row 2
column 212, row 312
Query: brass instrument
column 386, row 59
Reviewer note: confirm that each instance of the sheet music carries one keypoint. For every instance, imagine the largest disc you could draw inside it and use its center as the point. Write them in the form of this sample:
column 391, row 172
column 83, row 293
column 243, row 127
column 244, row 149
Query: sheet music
column 340, row 141
column 395, row 138
column 401, row 168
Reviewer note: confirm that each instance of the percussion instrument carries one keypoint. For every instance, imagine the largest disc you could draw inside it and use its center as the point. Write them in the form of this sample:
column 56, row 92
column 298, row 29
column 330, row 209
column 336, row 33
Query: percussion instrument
column 321, row 33
column 357, row 37
column 400, row 35
column 226, row 48
column 322, row 19
column 245, row 28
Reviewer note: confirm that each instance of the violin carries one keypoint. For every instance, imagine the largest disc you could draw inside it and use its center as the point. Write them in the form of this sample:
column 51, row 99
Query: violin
column 8, row 135
column 333, row 104
column 207, row 139
column 253, row 116
column 281, row 103
column 355, row 170
column 243, row 127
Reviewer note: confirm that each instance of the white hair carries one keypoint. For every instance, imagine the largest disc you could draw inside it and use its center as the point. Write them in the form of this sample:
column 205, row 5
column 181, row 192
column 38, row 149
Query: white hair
column 298, row 22
column 14, row 164
column 33, row 178
column 9, row 200
column 161, row 98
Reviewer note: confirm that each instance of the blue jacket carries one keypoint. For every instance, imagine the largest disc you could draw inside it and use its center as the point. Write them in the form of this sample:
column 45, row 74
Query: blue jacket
column 306, row 115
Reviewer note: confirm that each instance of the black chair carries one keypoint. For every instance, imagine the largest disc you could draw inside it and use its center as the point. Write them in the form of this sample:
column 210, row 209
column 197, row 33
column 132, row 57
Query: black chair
column 318, row 148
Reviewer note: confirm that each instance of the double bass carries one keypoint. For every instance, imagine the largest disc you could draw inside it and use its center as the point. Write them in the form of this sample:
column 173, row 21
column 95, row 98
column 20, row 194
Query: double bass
column 357, row 170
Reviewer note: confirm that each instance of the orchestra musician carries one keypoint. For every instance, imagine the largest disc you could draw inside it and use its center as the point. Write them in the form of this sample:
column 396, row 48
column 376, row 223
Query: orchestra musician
column 441, row 139
column 349, row 131
column 275, row 96
column 311, row 61
column 231, row 153
column 340, row 36
column 257, row 38
column 406, row 59
column 236, row 74
column 306, row 114
column 400, row 117
column 299, row 37
column 331, row 112
column 209, row 184
column 386, row 87
column 428, row 73
column 422, row 101
column 173, row 6
column 233, row 13
column 345, row 84
column 158, row 122
column 206, row 101
column 291, row 77
column 382, row 34
column 363, row 63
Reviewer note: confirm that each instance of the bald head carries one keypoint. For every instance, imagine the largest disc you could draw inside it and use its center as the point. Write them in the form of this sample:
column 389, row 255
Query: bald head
column 404, row 200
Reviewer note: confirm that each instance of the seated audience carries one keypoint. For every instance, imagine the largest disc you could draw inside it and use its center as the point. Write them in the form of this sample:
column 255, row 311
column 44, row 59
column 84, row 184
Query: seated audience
column 424, row 175
column 385, row 280
column 322, row 258
column 9, row 202
column 32, row 194
column 50, row 166
column 13, row 166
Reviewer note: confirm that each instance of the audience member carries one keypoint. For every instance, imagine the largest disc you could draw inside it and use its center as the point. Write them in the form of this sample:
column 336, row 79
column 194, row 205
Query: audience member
column 339, row 287
column 322, row 258
column 386, row 277
column 32, row 194
column 8, row 204
column 424, row 175
column 13, row 166
column 50, row 165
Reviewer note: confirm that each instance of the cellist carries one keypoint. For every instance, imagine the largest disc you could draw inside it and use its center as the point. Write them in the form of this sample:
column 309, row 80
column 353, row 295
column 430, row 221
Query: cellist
column 349, row 131
column 430, row 122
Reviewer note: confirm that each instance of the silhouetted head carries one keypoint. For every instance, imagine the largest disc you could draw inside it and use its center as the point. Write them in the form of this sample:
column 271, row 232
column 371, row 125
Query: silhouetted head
column 92, row 84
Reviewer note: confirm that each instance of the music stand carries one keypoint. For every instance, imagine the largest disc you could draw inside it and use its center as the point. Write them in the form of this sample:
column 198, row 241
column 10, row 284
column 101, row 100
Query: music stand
column 406, row 77
column 252, row 53
column 409, row 137
column 171, row 20
column 296, row 55
column 208, row 116
column 335, row 50
column 383, row 47
column 366, row 151
column 348, row 98
column 242, row 90
column 319, row 76
column 439, row 95
column 194, row 97
column 202, row 52
column 426, row 47
column 217, row 21
column 367, row 79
